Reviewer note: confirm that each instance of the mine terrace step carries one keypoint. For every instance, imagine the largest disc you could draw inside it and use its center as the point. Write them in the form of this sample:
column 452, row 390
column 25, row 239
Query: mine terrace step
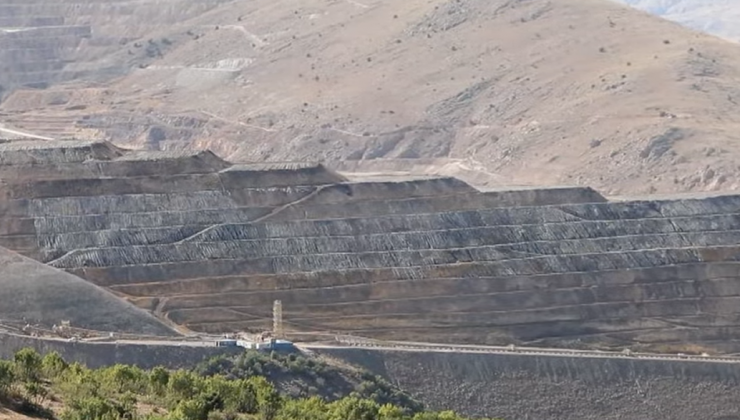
column 423, row 292
column 398, row 250
column 391, row 279
column 562, row 323
column 408, row 260
column 229, row 180
column 483, row 225
column 200, row 233
column 471, row 311
column 232, row 181
column 108, row 242
column 618, row 212
column 98, row 191
column 118, row 168
column 143, row 220
column 147, row 203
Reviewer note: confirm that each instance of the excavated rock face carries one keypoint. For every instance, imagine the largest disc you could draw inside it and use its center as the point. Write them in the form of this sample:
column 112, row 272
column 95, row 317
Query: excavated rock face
column 209, row 246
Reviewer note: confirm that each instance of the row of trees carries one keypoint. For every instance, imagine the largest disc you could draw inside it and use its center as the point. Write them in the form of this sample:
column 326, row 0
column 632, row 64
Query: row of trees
column 301, row 377
column 126, row 392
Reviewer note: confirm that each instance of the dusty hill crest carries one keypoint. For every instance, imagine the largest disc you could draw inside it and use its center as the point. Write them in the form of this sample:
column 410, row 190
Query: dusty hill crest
column 574, row 91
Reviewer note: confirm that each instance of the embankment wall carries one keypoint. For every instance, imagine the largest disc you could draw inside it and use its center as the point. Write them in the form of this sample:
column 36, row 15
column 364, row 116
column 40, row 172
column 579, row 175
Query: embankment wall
column 99, row 354
column 525, row 387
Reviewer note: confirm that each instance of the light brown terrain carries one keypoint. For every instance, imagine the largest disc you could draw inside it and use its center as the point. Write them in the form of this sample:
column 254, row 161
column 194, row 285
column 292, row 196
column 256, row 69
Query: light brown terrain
column 492, row 92
column 584, row 92
column 10, row 415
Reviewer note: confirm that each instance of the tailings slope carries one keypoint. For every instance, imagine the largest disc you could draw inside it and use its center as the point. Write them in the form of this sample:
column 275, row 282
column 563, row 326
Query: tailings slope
column 38, row 294
column 209, row 245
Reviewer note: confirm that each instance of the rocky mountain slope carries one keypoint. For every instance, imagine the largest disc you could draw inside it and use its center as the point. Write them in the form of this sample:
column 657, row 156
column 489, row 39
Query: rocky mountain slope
column 585, row 92
column 718, row 17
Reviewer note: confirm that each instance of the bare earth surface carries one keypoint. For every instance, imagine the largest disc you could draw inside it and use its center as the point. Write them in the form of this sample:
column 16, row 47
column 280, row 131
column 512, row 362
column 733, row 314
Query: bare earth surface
column 717, row 17
column 567, row 92
column 585, row 92
column 9, row 415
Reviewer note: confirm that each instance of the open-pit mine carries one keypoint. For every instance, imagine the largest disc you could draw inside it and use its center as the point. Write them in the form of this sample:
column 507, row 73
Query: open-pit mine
column 208, row 246
column 157, row 245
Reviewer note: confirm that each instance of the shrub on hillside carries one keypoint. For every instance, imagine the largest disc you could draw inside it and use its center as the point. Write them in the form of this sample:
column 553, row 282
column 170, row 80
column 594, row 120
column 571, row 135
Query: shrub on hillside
column 221, row 389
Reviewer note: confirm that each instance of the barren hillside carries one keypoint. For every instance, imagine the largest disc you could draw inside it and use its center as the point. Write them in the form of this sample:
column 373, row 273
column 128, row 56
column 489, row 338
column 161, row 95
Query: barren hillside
column 718, row 17
column 585, row 92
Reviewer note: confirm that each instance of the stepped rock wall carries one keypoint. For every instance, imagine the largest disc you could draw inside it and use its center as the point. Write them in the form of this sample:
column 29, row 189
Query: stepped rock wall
column 209, row 246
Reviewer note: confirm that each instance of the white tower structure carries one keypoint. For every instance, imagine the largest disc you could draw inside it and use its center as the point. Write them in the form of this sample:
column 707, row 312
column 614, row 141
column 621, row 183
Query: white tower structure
column 277, row 319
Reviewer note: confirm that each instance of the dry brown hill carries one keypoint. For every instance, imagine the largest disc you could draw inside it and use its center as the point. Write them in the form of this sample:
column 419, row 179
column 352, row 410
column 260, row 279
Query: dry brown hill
column 546, row 92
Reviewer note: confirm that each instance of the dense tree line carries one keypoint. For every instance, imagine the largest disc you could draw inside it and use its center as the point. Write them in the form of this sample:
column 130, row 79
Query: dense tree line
column 220, row 389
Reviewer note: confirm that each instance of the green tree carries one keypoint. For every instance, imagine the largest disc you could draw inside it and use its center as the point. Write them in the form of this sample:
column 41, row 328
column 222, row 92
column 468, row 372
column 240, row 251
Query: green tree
column 114, row 393
column 270, row 406
column 91, row 408
column 53, row 365
column 449, row 415
column 238, row 396
column 390, row 412
column 7, row 376
column 119, row 378
column 442, row 415
column 78, row 382
column 127, row 404
column 159, row 377
column 181, row 385
column 28, row 364
column 313, row 408
column 194, row 409
column 244, row 398
column 353, row 409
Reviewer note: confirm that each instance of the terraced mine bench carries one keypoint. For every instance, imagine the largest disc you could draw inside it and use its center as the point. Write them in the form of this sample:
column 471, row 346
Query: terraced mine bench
column 208, row 245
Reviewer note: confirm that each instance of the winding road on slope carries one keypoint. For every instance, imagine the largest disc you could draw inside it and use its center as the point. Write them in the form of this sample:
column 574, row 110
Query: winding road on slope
column 4, row 130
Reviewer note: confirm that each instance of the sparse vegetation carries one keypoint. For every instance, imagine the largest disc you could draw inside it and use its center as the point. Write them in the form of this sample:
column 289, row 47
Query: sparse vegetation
column 153, row 49
column 301, row 377
column 377, row 68
column 245, row 387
